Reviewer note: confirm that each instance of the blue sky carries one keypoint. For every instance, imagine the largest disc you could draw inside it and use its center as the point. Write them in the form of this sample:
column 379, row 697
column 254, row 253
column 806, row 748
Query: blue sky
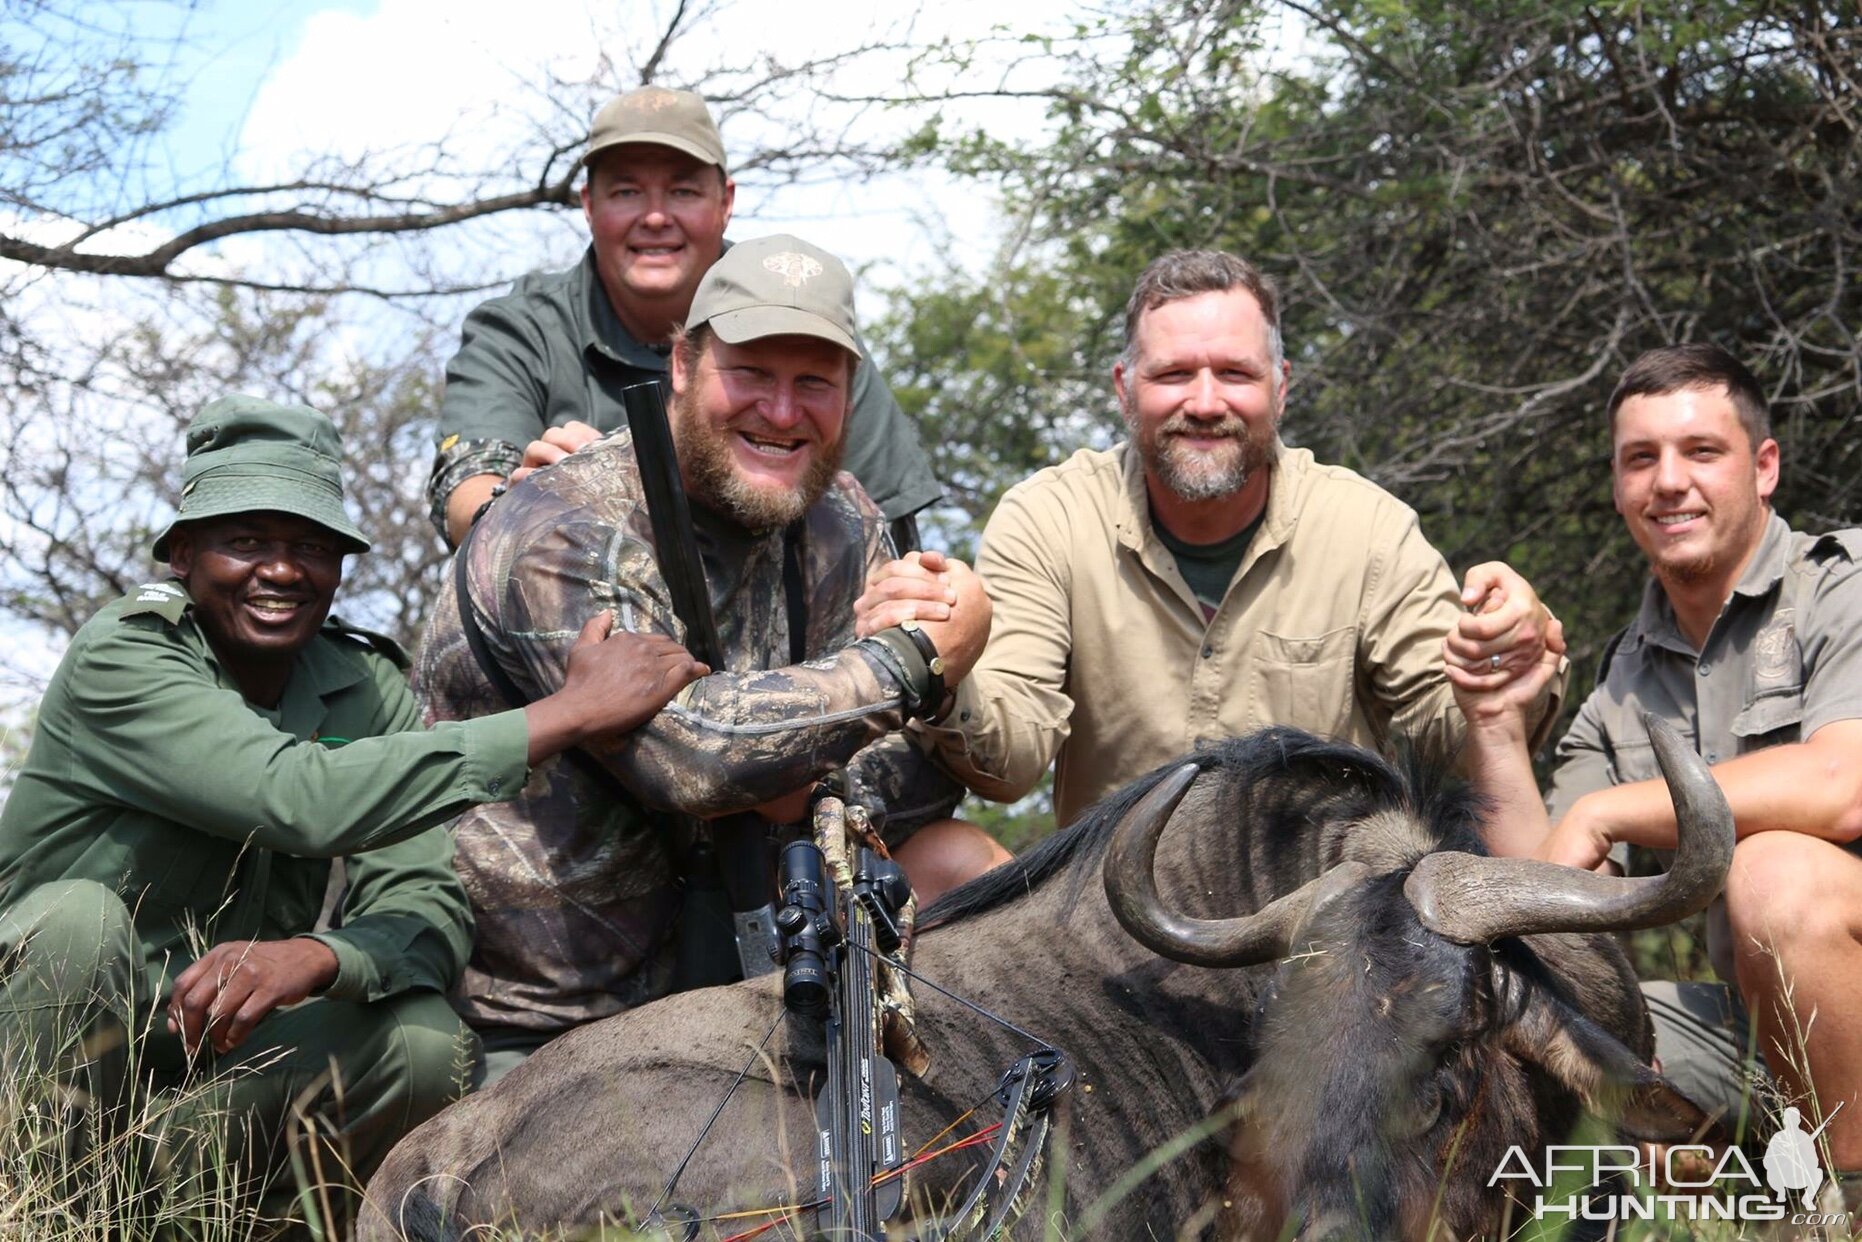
column 227, row 49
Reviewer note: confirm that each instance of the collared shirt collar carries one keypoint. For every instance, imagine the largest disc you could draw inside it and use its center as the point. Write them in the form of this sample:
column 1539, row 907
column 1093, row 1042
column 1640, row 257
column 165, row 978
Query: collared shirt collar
column 1282, row 513
column 603, row 334
column 323, row 668
column 1655, row 620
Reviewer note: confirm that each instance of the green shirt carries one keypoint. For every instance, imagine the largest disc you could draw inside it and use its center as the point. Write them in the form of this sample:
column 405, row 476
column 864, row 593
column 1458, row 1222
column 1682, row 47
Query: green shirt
column 149, row 772
column 1209, row 567
column 552, row 350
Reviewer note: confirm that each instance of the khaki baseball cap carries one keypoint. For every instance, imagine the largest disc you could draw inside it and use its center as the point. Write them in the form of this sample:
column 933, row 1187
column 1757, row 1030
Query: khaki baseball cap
column 246, row 454
column 665, row 118
column 777, row 286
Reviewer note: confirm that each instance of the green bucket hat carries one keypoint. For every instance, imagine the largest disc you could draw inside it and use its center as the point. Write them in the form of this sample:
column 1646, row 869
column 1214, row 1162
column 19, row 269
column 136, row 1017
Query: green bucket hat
column 246, row 454
column 777, row 286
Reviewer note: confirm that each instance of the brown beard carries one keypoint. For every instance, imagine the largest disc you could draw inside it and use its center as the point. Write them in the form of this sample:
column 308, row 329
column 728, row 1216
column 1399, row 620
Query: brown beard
column 705, row 460
column 1195, row 477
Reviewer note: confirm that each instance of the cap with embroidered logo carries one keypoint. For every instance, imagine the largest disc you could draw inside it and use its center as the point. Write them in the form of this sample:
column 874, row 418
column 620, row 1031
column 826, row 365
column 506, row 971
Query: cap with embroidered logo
column 246, row 454
column 777, row 286
column 659, row 117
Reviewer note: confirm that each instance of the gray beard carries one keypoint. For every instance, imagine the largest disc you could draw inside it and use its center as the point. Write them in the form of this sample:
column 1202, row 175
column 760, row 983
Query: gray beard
column 1195, row 476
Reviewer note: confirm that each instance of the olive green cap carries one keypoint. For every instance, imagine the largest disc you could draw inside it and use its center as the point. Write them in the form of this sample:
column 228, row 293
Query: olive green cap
column 777, row 286
column 246, row 454
column 664, row 118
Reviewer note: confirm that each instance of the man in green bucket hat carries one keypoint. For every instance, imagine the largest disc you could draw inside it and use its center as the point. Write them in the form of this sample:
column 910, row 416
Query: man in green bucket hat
column 207, row 746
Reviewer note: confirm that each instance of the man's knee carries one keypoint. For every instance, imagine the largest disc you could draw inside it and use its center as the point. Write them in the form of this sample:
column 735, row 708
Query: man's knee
column 435, row 1051
column 946, row 853
column 1787, row 888
column 69, row 942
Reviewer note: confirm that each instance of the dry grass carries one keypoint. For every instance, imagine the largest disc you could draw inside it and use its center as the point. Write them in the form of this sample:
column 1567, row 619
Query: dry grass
column 74, row 1172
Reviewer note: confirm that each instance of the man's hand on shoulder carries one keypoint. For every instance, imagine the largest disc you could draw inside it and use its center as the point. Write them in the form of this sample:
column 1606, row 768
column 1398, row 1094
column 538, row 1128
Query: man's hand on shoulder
column 555, row 444
column 613, row 684
column 221, row 997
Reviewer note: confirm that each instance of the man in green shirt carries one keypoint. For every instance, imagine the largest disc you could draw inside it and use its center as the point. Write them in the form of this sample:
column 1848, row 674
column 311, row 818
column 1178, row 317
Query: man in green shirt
column 540, row 370
column 208, row 744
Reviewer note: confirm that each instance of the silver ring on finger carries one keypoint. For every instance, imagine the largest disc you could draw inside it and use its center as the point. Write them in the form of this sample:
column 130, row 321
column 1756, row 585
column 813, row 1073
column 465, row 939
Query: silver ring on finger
column 1493, row 664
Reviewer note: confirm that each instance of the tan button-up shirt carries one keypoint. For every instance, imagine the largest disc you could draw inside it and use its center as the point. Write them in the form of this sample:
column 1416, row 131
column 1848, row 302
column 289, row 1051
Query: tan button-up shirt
column 1100, row 659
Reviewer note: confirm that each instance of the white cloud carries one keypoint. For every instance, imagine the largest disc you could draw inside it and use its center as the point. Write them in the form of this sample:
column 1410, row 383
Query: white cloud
column 475, row 75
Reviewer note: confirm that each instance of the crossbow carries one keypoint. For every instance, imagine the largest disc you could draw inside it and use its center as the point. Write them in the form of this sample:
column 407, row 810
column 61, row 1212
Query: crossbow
column 844, row 920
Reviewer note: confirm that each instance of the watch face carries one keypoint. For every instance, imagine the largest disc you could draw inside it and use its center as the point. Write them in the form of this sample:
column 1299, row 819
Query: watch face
column 937, row 666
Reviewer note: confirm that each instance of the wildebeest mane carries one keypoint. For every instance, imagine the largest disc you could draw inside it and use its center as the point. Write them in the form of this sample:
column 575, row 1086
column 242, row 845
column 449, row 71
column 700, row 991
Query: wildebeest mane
column 1293, row 777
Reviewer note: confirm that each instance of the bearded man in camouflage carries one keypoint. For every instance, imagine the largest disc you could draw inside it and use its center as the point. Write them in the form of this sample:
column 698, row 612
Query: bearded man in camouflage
column 576, row 885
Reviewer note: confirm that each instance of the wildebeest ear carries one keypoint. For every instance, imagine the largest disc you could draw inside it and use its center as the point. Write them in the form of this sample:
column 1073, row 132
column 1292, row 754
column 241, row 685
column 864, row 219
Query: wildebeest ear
column 1611, row 1080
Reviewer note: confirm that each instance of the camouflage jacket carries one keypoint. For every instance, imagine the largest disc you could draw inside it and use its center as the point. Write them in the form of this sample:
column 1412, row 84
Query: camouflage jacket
column 552, row 350
column 573, row 882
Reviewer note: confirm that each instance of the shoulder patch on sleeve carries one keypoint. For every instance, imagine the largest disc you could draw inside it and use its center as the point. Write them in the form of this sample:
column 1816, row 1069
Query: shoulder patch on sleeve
column 167, row 600
column 381, row 644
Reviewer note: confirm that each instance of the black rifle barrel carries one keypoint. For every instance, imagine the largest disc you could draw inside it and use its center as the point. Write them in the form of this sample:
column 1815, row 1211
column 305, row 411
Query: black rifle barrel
column 674, row 543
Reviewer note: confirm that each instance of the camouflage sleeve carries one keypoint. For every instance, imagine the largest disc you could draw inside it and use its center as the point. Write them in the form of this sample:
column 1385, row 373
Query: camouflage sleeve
column 459, row 459
column 901, row 787
column 497, row 387
column 733, row 740
column 729, row 741
column 895, row 777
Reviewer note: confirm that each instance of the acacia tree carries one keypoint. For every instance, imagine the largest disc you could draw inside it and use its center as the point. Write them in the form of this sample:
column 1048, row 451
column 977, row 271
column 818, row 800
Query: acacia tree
column 1479, row 214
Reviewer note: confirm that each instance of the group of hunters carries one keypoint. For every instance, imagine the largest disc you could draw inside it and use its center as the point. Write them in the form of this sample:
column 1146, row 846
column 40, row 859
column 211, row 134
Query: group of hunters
column 514, row 826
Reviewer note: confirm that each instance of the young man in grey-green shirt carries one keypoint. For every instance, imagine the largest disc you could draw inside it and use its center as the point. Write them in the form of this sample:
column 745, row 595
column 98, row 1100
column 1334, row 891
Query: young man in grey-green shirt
column 1749, row 642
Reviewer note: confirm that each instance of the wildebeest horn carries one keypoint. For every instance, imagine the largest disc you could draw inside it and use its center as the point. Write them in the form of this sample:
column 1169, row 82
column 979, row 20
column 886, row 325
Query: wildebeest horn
column 1131, row 887
column 1474, row 900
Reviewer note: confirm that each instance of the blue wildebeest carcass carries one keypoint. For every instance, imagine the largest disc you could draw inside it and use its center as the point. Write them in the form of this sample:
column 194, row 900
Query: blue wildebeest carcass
column 1316, row 948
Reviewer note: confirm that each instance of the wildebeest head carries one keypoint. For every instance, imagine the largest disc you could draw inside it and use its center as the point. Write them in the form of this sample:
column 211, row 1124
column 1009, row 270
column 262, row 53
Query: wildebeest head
column 1408, row 1034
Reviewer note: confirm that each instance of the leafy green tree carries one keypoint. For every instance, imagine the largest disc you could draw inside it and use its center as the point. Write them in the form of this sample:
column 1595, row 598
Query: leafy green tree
column 1479, row 214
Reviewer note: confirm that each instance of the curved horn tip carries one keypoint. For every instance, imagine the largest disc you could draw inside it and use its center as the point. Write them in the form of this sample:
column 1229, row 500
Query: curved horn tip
column 1133, row 850
column 1684, row 770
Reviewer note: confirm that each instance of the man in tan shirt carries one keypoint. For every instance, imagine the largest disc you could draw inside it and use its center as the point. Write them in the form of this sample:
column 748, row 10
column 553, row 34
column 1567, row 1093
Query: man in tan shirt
column 1203, row 580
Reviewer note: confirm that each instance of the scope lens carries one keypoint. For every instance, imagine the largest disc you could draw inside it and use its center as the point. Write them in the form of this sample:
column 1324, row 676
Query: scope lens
column 805, row 986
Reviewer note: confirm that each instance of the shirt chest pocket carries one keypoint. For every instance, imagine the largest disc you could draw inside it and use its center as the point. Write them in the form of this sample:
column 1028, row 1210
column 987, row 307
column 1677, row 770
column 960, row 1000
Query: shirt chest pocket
column 1634, row 761
column 1772, row 718
column 1305, row 682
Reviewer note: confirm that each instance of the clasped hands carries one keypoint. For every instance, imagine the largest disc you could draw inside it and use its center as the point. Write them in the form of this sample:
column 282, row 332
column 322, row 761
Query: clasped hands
column 942, row 594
